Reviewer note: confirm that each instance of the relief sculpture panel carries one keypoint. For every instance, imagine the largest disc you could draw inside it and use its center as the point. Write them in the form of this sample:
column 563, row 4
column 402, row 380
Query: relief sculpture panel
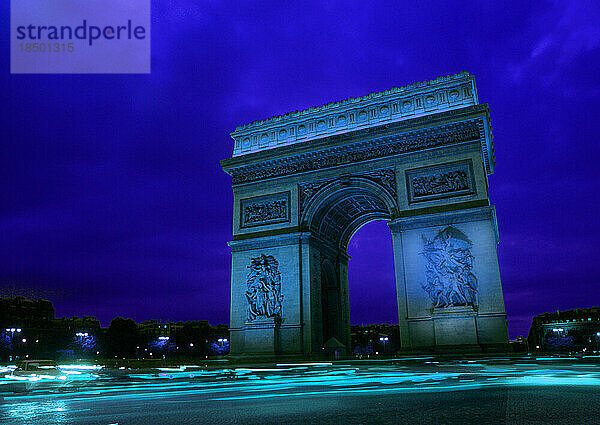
column 263, row 288
column 440, row 182
column 448, row 269
column 265, row 210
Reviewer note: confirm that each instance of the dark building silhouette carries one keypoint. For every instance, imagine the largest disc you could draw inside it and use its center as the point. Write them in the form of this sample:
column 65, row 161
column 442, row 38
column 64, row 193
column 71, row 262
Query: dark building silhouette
column 570, row 330
column 29, row 329
column 23, row 312
column 374, row 339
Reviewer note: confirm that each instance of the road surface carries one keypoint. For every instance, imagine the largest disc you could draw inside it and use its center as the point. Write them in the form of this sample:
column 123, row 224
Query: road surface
column 426, row 390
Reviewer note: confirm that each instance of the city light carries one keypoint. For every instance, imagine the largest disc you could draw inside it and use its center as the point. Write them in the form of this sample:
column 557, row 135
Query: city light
column 80, row 367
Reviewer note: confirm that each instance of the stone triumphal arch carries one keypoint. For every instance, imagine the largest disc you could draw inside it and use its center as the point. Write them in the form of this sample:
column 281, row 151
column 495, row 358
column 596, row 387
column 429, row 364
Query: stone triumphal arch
column 303, row 183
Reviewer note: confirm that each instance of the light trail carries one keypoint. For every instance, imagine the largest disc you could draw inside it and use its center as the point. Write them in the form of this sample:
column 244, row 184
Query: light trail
column 192, row 383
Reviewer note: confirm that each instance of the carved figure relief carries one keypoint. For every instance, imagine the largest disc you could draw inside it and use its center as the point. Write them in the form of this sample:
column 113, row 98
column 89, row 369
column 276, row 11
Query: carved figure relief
column 449, row 265
column 307, row 190
column 385, row 177
column 439, row 183
column 265, row 210
column 264, row 288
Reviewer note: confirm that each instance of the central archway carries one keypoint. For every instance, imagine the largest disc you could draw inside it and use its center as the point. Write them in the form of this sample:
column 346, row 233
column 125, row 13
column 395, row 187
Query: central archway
column 341, row 207
column 335, row 212
column 372, row 291
column 371, row 275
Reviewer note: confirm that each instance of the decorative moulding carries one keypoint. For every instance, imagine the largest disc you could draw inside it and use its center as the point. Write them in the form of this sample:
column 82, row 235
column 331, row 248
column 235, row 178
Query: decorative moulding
column 438, row 95
column 395, row 144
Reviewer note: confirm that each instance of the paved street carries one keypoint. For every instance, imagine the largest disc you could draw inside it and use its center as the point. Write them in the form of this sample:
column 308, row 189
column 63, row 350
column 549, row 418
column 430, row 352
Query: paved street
column 423, row 390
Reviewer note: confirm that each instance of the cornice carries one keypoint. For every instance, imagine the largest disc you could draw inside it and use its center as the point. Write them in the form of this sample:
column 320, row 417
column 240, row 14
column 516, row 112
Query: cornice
column 379, row 147
column 469, row 112
column 446, row 128
column 442, row 94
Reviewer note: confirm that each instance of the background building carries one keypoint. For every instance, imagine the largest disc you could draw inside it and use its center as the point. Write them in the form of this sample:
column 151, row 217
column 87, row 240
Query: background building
column 570, row 330
column 29, row 329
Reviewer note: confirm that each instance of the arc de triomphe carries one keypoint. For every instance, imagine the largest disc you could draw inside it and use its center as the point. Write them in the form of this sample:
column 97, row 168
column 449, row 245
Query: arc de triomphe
column 417, row 157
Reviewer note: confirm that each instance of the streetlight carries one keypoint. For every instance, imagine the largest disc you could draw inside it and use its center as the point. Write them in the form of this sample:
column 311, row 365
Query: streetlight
column 384, row 339
column 13, row 330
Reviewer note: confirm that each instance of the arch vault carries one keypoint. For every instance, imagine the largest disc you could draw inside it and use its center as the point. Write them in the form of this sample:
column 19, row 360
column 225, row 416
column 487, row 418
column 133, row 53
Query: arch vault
column 417, row 157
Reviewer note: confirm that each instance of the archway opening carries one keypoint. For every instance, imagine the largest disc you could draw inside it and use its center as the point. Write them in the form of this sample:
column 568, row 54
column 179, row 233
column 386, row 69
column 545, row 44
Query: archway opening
column 372, row 291
column 371, row 275
column 333, row 215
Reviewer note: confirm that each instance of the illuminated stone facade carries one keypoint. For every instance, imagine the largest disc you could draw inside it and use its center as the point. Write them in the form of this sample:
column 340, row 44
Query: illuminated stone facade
column 417, row 157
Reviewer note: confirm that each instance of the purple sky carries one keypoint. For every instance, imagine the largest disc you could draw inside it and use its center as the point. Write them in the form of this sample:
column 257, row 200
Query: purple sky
column 114, row 202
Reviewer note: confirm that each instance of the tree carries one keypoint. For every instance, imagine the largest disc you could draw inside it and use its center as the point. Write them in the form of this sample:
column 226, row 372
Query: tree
column 122, row 337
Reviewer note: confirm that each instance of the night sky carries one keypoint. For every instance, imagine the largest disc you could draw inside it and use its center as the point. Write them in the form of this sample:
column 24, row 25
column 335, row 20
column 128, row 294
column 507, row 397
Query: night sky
column 113, row 201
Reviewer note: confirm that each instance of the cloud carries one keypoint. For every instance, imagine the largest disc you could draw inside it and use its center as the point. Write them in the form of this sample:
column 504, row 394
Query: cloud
column 563, row 33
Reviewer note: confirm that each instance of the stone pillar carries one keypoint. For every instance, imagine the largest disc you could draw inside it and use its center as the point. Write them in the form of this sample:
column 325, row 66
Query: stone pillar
column 344, row 302
column 326, row 277
column 282, row 332
column 400, row 287
column 447, row 279
column 299, row 328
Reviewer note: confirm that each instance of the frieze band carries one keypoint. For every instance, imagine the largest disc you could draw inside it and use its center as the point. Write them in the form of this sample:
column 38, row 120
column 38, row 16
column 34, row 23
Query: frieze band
column 361, row 151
